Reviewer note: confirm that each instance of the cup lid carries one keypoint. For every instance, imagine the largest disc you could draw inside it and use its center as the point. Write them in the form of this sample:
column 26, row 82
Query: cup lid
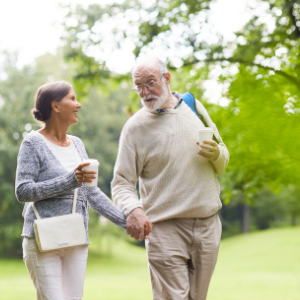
column 92, row 161
column 206, row 129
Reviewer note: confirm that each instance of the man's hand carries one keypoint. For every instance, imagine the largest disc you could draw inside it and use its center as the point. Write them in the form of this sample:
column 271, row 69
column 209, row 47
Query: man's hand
column 138, row 224
column 209, row 150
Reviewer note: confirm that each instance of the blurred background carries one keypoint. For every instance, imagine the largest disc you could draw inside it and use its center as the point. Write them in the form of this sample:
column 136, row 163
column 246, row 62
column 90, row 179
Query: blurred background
column 241, row 58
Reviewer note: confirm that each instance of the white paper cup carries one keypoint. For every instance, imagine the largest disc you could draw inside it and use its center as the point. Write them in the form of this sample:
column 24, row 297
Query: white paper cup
column 93, row 166
column 205, row 133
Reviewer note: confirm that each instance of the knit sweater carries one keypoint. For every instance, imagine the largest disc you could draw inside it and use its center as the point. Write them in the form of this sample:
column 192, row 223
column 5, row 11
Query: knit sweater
column 159, row 150
column 41, row 178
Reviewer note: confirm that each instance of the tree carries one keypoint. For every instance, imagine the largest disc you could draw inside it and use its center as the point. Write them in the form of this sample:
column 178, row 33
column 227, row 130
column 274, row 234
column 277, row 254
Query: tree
column 132, row 23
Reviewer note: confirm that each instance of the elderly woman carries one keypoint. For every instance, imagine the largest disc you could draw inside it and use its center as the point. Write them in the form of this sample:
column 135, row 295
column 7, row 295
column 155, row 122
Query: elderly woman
column 47, row 175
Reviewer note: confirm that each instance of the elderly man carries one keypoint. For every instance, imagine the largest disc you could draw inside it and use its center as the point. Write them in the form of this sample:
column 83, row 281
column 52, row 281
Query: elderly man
column 179, row 190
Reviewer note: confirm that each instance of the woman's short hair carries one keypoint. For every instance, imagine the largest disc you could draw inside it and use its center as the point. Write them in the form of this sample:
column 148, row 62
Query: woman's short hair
column 53, row 91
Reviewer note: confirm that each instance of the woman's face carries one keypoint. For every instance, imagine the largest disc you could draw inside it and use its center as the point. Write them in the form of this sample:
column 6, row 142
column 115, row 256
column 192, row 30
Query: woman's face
column 68, row 108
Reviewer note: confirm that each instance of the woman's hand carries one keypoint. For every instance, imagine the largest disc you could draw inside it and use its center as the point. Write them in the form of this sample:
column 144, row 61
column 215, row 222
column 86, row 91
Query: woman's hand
column 83, row 175
column 138, row 224
column 147, row 228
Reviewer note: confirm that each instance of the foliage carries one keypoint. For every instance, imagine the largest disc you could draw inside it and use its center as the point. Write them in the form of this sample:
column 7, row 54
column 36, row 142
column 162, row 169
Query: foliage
column 273, row 208
column 148, row 25
column 261, row 133
column 132, row 24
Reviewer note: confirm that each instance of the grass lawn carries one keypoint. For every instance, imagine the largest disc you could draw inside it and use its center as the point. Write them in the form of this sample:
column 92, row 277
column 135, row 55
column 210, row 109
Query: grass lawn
column 262, row 266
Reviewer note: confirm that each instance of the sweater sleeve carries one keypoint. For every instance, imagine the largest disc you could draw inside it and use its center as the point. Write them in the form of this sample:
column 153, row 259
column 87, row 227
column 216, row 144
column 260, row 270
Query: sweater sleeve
column 100, row 203
column 221, row 162
column 27, row 189
column 126, row 175
column 104, row 206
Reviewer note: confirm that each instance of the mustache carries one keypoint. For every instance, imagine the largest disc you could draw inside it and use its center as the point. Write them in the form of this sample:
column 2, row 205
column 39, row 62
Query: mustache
column 150, row 97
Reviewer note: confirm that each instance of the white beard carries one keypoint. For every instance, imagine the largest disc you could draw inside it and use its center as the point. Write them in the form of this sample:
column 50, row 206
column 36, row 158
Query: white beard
column 158, row 101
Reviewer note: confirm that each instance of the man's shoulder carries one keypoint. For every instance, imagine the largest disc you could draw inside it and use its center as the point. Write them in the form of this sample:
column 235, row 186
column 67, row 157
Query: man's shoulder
column 136, row 121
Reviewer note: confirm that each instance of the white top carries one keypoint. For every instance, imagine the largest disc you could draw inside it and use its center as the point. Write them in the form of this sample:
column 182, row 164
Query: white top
column 161, row 151
column 65, row 155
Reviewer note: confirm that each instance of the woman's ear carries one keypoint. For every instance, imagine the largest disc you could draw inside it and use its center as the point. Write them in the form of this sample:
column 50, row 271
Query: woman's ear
column 55, row 106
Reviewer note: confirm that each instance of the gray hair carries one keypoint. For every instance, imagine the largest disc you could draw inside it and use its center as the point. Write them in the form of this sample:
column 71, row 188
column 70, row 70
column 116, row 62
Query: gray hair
column 159, row 63
column 162, row 66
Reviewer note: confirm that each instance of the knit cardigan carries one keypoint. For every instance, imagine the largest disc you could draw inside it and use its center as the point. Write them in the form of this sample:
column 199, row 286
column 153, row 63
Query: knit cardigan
column 40, row 178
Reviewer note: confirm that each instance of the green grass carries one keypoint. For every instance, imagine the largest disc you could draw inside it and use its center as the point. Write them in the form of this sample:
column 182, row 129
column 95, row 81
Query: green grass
column 262, row 266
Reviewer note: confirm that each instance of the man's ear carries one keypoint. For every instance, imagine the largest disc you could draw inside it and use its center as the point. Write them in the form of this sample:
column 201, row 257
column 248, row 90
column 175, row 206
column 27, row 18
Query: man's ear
column 168, row 78
column 55, row 106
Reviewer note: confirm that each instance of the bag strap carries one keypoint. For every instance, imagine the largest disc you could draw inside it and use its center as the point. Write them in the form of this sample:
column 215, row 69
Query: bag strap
column 75, row 191
column 190, row 100
column 35, row 211
column 24, row 209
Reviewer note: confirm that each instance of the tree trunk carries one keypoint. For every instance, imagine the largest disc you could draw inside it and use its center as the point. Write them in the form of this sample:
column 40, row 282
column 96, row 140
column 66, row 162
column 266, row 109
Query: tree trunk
column 245, row 219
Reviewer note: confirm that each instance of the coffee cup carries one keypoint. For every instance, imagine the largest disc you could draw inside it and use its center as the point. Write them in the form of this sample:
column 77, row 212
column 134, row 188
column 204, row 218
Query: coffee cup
column 205, row 133
column 93, row 166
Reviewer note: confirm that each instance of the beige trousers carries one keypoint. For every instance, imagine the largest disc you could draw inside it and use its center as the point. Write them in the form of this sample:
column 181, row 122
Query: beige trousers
column 182, row 255
column 56, row 275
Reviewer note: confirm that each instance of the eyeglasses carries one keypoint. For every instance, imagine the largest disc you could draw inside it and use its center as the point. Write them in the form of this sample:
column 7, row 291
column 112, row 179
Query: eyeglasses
column 149, row 86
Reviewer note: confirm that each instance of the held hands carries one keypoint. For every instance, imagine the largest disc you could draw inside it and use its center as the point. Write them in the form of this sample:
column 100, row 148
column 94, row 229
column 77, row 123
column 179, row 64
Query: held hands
column 147, row 229
column 209, row 150
column 82, row 175
column 138, row 225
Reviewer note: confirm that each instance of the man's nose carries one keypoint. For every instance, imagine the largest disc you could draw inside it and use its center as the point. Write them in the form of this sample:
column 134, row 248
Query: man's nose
column 145, row 91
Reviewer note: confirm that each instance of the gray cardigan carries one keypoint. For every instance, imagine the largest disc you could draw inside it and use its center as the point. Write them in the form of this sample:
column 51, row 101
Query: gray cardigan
column 42, row 179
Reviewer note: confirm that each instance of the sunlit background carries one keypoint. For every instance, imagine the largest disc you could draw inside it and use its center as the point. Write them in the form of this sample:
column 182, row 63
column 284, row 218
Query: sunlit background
column 241, row 58
column 33, row 28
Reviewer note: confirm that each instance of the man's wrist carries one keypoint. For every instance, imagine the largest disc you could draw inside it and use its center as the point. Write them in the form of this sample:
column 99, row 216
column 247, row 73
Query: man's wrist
column 135, row 210
column 130, row 208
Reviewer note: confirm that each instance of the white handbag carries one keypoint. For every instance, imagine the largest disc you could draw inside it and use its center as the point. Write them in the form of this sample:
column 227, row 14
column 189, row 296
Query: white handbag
column 60, row 232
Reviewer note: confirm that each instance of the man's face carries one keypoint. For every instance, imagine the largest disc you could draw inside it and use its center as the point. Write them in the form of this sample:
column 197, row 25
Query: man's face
column 155, row 97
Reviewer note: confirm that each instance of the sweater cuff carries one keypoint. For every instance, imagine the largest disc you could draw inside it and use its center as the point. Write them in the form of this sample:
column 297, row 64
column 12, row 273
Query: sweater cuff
column 218, row 163
column 128, row 209
column 73, row 181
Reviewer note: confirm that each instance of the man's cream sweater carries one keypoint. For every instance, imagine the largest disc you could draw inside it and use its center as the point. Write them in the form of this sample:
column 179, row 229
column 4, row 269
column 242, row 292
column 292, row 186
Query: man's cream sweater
column 174, row 181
